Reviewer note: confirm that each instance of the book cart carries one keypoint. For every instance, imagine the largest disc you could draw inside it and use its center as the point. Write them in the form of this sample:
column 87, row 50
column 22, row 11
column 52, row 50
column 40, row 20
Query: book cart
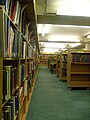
column 18, row 58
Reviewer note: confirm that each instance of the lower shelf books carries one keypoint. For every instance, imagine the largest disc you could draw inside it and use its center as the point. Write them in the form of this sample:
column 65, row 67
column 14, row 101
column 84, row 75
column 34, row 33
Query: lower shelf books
column 9, row 82
column 11, row 108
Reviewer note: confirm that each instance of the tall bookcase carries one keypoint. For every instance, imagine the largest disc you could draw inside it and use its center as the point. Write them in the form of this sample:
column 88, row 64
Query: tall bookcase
column 78, row 69
column 52, row 60
column 44, row 59
column 18, row 57
column 63, row 66
column 58, row 65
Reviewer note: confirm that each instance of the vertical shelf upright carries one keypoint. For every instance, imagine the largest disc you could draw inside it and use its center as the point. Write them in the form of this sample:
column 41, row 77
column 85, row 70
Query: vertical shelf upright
column 58, row 65
column 63, row 66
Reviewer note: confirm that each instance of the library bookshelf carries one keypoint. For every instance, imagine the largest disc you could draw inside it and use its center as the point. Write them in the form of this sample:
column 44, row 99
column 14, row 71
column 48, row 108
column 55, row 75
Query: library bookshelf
column 78, row 69
column 18, row 58
column 63, row 66
column 44, row 59
column 52, row 60
column 58, row 65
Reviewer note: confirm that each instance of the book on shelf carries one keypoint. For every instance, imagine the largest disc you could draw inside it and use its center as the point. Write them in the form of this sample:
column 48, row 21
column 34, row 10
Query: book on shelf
column 13, row 9
column 64, row 66
column 6, row 111
column 14, row 80
column 10, row 7
column 64, row 58
column 22, row 73
column 11, row 103
column 24, row 24
column 15, row 42
column 1, row 2
column 10, row 42
column 29, row 82
column 25, row 88
column 21, row 97
column 19, row 47
column 17, row 13
column 80, row 57
column 2, row 34
column 9, row 82
column 64, row 73
column 24, row 47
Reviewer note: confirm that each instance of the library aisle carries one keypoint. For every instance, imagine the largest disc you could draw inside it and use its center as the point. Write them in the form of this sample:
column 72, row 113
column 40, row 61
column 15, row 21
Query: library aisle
column 52, row 100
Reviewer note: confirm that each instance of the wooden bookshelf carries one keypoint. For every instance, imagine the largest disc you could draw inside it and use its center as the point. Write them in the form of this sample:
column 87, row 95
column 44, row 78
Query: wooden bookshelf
column 18, row 57
column 78, row 69
column 52, row 60
column 58, row 65
column 63, row 66
column 44, row 59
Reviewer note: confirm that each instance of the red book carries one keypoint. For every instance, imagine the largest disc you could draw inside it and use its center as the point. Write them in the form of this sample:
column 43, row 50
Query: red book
column 13, row 10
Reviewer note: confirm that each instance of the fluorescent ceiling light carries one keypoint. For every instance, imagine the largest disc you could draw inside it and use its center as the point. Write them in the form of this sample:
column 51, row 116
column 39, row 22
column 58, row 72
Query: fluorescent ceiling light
column 70, row 26
column 49, row 50
column 74, row 45
column 68, row 38
column 43, row 28
column 74, row 8
column 88, row 36
column 55, row 45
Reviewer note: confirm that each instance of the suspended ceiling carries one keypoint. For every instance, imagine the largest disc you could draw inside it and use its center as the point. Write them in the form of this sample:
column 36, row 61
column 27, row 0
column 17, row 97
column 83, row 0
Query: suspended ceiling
column 64, row 26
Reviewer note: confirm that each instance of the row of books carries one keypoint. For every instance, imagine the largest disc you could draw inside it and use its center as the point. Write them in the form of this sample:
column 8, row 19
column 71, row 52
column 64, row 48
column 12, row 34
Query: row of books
column 13, row 99
column 80, row 58
column 13, row 9
column 64, row 73
column 64, row 66
column 30, row 52
column 64, row 57
column 11, row 108
column 12, row 43
column 9, row 82
column 22, row 73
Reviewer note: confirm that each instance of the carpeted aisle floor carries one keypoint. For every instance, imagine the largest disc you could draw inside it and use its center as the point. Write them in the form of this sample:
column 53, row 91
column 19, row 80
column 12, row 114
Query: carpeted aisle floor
column 52, row 100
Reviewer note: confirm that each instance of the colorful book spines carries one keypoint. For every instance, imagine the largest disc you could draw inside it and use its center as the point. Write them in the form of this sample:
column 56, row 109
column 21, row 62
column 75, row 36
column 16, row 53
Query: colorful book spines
column 81, row 58
column 11, row 108
column 9, row 82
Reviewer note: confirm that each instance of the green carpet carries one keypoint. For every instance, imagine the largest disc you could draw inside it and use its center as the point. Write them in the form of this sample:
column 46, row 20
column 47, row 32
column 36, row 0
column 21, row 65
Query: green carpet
column 52, row 100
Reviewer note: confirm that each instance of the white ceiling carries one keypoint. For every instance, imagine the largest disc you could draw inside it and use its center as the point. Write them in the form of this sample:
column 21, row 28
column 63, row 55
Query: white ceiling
column 45, row 7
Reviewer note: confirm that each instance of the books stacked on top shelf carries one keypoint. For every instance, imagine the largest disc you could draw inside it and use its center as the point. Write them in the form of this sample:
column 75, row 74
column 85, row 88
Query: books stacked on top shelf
column 13, row 9
column 12, row 43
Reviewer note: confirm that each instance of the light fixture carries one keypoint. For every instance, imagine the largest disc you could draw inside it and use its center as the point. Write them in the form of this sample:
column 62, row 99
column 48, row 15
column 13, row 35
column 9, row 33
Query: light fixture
column 74, row 8
column 47, row 50
column 74, row 44
column 88, row 36
column 68, row 38
column 55, row 45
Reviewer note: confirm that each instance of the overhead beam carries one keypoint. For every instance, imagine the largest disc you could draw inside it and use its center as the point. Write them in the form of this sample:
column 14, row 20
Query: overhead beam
column 63, row 20
column 58, row 41
column 50, row 47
